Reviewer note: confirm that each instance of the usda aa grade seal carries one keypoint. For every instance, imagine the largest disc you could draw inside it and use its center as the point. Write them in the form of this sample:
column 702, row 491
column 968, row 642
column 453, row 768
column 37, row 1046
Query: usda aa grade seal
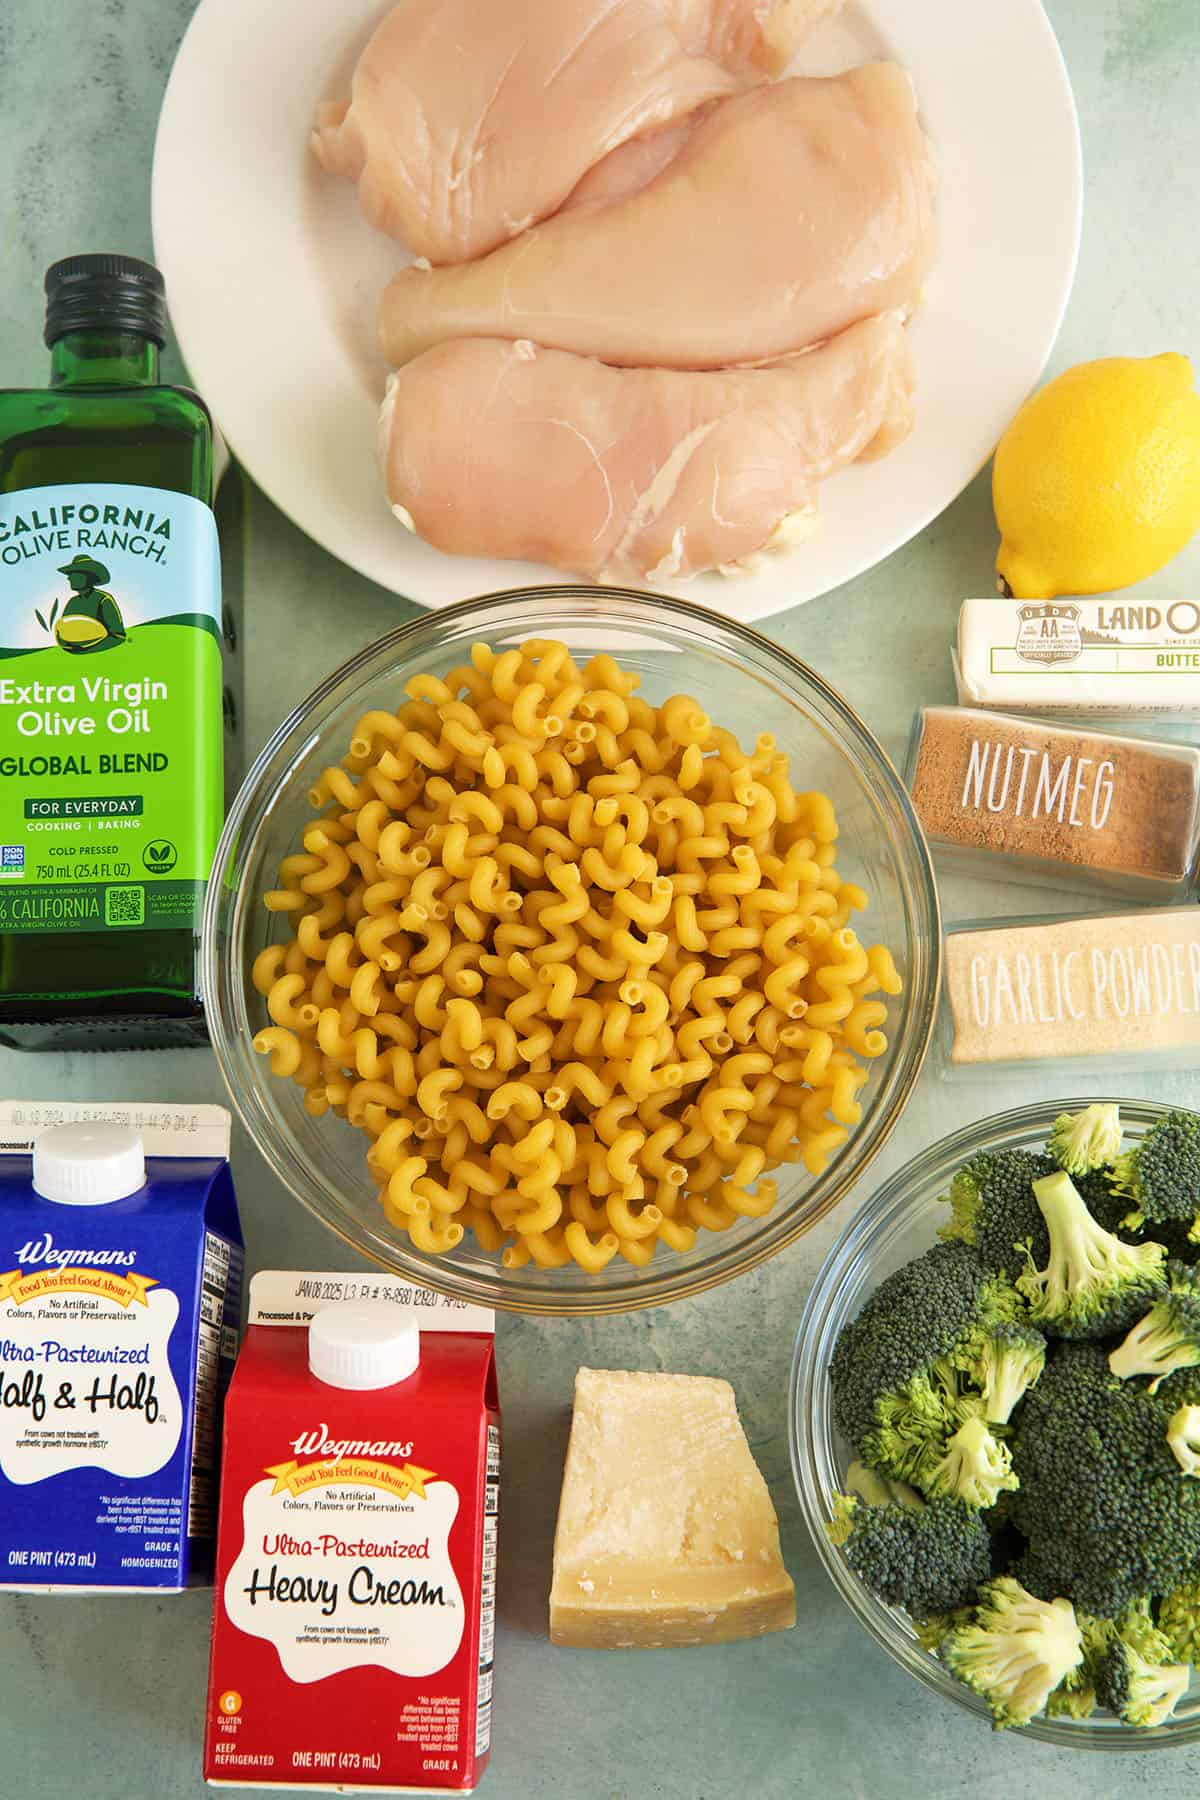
column 1048, row 633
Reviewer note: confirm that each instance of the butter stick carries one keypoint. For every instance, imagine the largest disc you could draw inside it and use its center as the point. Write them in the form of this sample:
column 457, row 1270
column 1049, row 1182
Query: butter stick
column 1124, row 982
column 1113, row 655
column 666, row 1532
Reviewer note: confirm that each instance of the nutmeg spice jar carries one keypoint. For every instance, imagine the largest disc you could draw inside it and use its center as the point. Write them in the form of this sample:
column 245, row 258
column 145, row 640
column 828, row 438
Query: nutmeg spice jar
column 1056, row 804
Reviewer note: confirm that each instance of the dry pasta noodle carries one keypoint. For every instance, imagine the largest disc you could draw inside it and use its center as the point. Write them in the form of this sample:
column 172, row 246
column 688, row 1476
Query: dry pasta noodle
column 581, row 968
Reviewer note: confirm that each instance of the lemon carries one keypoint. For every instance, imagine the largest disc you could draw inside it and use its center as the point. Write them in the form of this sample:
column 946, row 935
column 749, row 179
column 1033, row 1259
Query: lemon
column 1096, row 482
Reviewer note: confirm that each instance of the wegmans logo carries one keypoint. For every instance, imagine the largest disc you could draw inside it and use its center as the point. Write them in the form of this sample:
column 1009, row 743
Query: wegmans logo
column 44, row 1250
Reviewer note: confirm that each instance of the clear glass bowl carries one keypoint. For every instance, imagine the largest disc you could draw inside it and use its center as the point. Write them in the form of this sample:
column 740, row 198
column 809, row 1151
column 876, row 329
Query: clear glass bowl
column 744, row 682
column 896, row 1225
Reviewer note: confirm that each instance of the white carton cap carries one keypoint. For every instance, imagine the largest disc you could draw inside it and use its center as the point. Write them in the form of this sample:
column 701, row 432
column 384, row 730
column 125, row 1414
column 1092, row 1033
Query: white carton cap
column 363, row 1344
column 88, row 1164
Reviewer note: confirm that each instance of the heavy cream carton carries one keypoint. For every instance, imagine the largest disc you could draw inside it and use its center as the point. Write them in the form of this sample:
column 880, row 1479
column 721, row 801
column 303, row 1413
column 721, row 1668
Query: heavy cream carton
column 356, row 1562
column 120, row 1293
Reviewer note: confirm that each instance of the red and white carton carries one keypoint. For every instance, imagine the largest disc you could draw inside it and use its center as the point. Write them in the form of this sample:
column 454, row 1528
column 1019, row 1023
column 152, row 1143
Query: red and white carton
column 354, row 1621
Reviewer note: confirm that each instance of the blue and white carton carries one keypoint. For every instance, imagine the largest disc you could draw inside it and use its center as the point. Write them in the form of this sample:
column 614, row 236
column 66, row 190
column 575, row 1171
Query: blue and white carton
column 120, row 1296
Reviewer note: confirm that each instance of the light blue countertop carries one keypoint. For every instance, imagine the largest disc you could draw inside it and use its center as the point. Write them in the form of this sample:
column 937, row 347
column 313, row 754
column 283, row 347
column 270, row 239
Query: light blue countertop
column 103, row 1698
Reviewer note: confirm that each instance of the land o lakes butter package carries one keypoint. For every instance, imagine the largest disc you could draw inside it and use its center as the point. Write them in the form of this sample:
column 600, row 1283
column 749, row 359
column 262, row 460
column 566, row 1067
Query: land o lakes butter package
column 356, row 1561
column 1114, row 657
column 120, row 1292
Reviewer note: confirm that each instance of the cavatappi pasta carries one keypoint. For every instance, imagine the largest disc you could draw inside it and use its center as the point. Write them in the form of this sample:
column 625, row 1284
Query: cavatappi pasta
column 580, row 967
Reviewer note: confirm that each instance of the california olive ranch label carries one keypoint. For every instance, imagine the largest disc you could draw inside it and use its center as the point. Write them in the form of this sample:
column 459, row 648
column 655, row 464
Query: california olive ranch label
column 110, row 707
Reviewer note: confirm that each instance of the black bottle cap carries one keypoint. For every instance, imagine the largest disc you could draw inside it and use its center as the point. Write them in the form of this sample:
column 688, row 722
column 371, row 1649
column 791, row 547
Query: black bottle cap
column 105, row 293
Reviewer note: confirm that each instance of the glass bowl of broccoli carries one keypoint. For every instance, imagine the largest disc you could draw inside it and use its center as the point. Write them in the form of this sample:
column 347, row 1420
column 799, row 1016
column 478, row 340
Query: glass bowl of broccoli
column 995, row 1421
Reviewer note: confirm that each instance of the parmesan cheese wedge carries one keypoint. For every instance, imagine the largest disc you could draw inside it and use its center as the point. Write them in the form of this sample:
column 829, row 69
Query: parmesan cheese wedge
column 666, row 1532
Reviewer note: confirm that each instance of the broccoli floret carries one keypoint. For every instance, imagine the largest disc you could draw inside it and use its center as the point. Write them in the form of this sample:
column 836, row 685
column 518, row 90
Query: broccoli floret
column 1086, row 1140
column 1101, row 1504
column 1179, row 1622
column 1092, row 1285
column 1161, row 1175
column 933, row 1631
column 1139, row 1691
column 1183, row 1436
column 926, row 1561
column 897, row 1397
column 1003, row 1363
column 1135, row 1677
column 1075, row 1695
column 913, row 1423
column 876, row 1489
column 1180, row 1389
column 993, row 1209
column 976, row 1466
column 1111, row 1210
column 1016, row 1652
column 1168, row 1338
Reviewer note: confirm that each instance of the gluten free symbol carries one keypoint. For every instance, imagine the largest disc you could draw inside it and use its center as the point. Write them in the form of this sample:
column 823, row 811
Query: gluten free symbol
column 160, row 856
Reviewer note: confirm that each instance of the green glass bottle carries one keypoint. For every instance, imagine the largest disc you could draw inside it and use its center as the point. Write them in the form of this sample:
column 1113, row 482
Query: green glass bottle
column 111, row 685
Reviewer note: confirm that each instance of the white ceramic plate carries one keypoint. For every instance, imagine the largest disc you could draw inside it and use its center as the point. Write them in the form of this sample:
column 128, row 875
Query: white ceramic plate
column 273, row 277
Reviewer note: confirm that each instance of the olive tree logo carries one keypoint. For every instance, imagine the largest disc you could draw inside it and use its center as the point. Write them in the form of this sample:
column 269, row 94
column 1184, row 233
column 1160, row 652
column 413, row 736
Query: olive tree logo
column 91, row 619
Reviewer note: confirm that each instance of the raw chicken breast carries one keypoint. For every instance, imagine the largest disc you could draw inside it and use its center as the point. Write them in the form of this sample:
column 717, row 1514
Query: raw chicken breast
column 791, row 211
column 744, row 35
column 633, row 165
column 505, row 450
column 749, row 34
column 469, row 119
column 454, row 103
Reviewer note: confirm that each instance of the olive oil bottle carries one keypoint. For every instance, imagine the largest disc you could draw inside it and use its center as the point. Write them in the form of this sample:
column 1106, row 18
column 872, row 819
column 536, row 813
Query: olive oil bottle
column 111, row 678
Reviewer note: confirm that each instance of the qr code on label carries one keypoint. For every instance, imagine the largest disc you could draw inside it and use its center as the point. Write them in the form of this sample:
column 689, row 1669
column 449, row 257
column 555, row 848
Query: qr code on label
column 124, row 905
